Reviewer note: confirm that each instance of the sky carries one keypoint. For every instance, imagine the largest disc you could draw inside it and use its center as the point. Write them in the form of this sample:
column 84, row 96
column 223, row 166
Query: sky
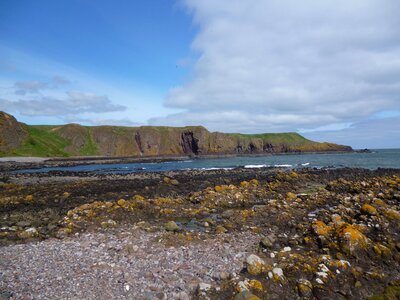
column 329, row 70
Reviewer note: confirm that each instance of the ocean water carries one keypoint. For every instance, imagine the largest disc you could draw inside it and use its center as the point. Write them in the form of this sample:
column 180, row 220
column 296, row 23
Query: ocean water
column 379, row 158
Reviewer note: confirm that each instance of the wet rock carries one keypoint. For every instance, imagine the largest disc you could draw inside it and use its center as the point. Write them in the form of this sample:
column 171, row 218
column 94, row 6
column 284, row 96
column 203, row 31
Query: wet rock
column 268, row 241
column 246, row 295
column 6, row 295
column 351, row 239
column 368, row 209
column 182, row 296
column 203, row 288
column 255, row 265
column 174, row 182
column 304, row 288
column 28, row 233
column 23, row 224
column 291, row 196
column 171, row 226
column 108, row 224
column 220, row 229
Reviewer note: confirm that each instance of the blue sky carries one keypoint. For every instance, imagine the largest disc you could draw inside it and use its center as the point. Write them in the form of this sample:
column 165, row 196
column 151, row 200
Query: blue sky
column 329, row 70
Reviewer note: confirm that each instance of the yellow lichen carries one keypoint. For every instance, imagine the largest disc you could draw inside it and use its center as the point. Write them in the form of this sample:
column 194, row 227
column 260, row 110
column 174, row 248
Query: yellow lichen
column 291, row 196
column 368, row 209
column 392, row 214
column 254, row 182
column 221, row 188
column 138, row 198
column 121, row 202
column 244, row 184
column 382, row 250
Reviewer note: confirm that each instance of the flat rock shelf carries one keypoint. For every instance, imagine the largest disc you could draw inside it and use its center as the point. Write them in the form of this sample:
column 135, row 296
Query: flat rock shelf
column 218, row 234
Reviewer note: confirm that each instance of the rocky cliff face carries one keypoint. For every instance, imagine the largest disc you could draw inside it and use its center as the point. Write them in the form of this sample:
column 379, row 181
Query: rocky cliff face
column 77, row 140
column 12, row 133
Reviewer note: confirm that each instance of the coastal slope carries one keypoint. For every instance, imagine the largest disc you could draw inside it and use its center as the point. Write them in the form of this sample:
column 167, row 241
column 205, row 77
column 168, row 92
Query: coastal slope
column 18, row 139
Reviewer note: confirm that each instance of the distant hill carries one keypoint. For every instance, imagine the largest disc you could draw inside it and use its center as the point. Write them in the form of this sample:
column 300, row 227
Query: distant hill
column 19, row 139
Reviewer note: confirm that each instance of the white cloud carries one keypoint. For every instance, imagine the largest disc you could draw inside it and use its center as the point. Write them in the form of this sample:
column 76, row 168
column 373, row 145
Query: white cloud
column 29, row 86
column 374, row 133
column 271, row 65
column 75, row 103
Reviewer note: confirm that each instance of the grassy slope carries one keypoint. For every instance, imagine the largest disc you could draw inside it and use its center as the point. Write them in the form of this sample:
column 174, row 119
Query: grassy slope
column 44, row 142
column 277, row 138
column 90, row 148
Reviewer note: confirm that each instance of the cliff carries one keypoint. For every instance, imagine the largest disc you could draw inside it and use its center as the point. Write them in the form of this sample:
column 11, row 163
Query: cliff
column 18, row 139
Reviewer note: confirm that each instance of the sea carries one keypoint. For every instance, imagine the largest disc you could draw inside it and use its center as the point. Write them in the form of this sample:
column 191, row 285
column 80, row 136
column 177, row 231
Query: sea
column 377, row 158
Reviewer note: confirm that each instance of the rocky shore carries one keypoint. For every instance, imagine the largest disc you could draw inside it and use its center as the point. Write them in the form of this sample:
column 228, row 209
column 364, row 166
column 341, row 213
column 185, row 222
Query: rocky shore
column 219, row 234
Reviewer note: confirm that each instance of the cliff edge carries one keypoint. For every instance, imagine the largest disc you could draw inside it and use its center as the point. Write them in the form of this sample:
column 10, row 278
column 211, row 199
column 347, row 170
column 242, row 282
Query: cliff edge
column 18, row 139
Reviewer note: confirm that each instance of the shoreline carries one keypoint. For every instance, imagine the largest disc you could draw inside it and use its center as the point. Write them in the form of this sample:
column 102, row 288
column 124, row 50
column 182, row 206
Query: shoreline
column 18, row 163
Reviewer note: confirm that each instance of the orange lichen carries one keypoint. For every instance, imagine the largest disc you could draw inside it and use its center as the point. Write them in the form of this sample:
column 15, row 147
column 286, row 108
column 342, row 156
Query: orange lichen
column 321, row 228
column 353, row 239
column 255, row 284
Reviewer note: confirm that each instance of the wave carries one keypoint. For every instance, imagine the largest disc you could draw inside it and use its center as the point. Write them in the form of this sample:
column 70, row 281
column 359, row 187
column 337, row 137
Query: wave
column 283, row 166
column 305, row 164
column 255, row 166
column 214, row 168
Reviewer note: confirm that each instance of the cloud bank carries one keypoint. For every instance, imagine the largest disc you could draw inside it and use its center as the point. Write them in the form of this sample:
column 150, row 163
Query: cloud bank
column 286, row 64
column 45, row 99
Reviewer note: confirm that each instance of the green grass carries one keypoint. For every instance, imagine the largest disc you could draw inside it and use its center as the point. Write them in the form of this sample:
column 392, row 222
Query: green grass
column 276, row 138
column 42, row 142
column 90, row 148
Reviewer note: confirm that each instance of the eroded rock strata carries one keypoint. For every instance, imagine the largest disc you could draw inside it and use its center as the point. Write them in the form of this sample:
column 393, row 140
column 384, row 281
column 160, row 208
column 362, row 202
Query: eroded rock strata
column 17, row 139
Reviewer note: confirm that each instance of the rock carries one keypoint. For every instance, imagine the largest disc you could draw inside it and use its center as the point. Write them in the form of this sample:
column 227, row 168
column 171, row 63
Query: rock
column 121, row 202
column 351, row 239
column 368, row 209
column 277, row 272
column 223, row 275
column 203, row 287
column 108, row 223
column 268, row 241
column 291, row 196
column 28, row 233
column 29, row 198
column 227, row 214
column 182, row 296
column 246, row 295
column 255, row 265
column 171, row 226
column 23, row 223
column 6, row 295
column 174, row 182
column 220, row 229
column 304, row 288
